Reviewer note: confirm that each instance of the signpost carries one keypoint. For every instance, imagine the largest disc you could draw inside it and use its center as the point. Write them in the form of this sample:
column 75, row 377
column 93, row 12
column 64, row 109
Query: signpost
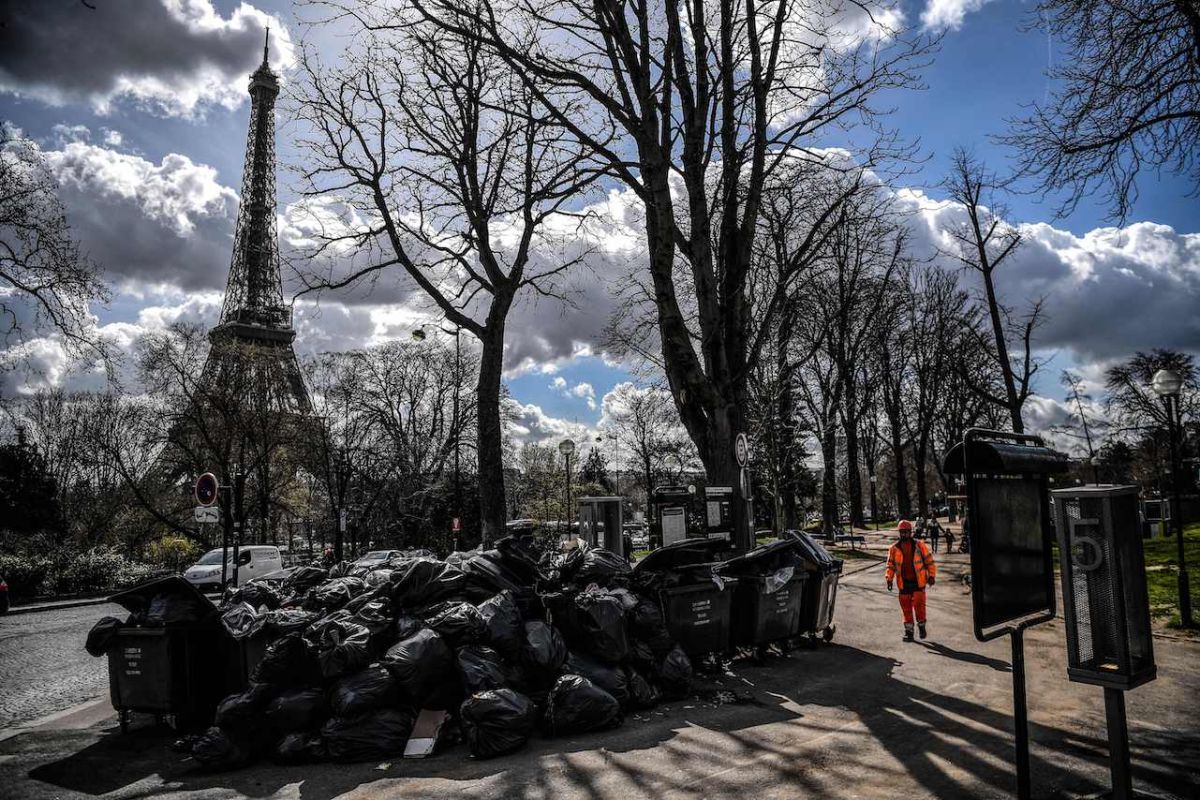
column 206, row 489
column 206, row 514
column 1012, row 575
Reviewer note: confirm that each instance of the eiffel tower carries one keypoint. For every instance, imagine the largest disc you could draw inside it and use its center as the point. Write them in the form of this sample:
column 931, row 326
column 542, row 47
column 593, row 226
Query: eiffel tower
column 251, row 349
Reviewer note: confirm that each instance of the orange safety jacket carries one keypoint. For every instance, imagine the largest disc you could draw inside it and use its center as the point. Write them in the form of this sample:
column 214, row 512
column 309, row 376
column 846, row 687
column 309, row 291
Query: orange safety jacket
column 925, row 566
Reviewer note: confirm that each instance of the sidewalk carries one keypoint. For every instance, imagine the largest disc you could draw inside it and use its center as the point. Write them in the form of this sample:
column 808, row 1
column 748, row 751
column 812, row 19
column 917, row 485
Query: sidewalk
column 866, row 717
column 55, row 605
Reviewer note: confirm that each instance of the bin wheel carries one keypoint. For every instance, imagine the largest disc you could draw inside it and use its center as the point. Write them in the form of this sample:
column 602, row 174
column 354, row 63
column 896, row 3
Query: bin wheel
column 828, row 633
column 123, row 718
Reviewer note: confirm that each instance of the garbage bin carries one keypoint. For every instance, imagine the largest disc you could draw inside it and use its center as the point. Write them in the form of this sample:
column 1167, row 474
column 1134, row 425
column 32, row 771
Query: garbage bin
column 763, row 614
column 173, row 661
column 769, row 596
column 695, row 605
column 820, row 591
column 698, row 615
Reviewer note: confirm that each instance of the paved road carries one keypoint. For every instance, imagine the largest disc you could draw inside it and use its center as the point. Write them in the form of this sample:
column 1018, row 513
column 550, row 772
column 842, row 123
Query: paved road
column 43, row 666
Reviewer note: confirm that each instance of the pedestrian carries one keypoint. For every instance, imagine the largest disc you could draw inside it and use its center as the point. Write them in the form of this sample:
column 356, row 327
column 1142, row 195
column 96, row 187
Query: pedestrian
column 935, row 533
column 910, row 562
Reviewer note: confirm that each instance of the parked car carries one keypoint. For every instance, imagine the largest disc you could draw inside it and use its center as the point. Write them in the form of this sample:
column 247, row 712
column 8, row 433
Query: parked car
column 253, row 561
column 3, row 596
column 376, row 557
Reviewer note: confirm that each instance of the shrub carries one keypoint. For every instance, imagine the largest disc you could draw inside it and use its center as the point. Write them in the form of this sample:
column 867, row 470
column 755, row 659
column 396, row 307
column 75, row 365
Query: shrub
column 172, row 553
column 24, row 574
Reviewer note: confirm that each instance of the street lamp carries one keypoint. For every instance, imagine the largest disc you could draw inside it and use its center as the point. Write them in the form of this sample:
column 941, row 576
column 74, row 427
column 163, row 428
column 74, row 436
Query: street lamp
column 567, row 448
column 1166, row 384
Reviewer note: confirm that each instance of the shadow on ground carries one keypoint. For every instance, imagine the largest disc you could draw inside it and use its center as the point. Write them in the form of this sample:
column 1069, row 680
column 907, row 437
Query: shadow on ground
column 819, row 722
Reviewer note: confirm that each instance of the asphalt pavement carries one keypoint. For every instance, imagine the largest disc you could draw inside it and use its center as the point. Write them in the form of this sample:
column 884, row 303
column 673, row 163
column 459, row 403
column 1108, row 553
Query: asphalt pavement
column 865, row 717
column 43, row 666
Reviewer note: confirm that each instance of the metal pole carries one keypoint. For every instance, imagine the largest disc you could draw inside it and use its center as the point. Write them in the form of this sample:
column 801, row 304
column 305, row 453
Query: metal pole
column 1185, row 591
column 1118, row 744
column 239, row 493
column 1020, row 714
column 225, row 494
column 567, row 510
column 457, row 426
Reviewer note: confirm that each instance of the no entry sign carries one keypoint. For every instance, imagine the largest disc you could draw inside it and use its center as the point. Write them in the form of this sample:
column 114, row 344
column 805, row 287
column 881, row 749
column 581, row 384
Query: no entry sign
column 206, row 489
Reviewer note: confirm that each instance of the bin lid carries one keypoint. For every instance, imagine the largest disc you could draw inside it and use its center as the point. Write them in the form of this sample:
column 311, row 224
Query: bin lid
column 684, row 553
column 811, row 547
column 1013, row 458
column 138, row 599
column 754, row 562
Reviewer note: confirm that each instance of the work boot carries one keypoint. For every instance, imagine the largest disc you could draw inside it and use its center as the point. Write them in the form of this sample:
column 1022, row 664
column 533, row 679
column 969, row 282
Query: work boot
column 921, row 628
column 908, row 633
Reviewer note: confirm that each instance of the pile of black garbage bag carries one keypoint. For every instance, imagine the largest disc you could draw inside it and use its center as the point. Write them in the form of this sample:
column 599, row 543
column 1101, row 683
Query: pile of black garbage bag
column 508, row 641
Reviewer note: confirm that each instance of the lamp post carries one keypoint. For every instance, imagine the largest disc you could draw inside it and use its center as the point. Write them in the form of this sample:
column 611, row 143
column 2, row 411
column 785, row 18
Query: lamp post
column 567, row 448
column 874, row 506
column 1166, row 384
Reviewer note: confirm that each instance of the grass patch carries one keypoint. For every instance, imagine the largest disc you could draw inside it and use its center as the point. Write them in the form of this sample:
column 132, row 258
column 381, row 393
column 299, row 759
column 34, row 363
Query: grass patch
column 1162, row 573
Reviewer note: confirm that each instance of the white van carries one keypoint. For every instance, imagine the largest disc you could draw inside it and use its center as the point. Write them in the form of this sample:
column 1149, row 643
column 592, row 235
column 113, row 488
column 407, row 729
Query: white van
column 253, row 561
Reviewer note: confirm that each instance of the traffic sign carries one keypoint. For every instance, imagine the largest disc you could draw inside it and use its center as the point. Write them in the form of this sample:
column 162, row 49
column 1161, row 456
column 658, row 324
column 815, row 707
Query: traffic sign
column 206, row 489
column 207, row 514
column 457, row 526
column 741, row 449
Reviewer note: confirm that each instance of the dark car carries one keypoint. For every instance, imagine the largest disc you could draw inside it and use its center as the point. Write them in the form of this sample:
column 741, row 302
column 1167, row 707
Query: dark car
column 3, row 596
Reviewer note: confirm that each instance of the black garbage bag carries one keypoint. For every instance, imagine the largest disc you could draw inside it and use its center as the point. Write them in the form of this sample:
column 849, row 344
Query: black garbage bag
column 423, row 666
column 505, row 631
column 675, row 674
column 576, row 705
column 240, row 620
column 218, row 750
column 544, row 651
column 305, row 578
column 364, row 691
column 380, row 734
column 102, row 635
column 458, row 623
column 305, row 747
column 296, row 710
column 341, row 569
column 490, row 571
column 378, row 577
column 641, row 654
column 285, row 620
column 342, row 646
column 239, row 712
column 601, row 567
column 334, row 594
column 376, row 617
column 171, row 608
column 405, row 626
column 256, row 595
column 289, row 661
column 646, row 624
column 481, row 669
column 422, row 581
column 609, row 677
column 520, row 555
column 765, row 560
column 642, row 693
column 594, row 622
column 496, row 722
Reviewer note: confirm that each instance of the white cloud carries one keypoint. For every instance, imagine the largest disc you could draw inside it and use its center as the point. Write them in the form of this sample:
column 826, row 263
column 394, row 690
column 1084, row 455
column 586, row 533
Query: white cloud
column 168, row 57
column 585, row 391
column 948, row 14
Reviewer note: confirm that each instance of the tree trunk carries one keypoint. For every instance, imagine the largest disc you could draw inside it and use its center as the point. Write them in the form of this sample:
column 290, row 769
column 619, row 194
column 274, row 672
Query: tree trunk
column 830, row 516
column 1006, row 370
column 920, row 456
column 490, row 433
column 903, row 502
column 850, row 424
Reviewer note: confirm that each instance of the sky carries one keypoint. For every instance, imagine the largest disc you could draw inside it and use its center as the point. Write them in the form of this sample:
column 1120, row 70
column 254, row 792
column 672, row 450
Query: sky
column 141, row 109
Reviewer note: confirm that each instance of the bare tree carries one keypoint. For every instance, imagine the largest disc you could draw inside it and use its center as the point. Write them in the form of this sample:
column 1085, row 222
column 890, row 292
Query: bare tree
column 460, row 175
column 40, row 263
column 1131, row 402
column 645, row 422
column 1127, row 98
column 709, row 102
column 984, row 243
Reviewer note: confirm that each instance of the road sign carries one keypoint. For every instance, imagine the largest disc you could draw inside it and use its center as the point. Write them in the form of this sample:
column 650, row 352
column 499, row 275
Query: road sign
column 208, row 514
column 457, row 526
column 206, row 489
column 342, row 521
column 741, row 449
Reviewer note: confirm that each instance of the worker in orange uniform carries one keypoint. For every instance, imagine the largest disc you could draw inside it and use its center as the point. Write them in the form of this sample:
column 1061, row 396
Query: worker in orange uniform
column 909, row 560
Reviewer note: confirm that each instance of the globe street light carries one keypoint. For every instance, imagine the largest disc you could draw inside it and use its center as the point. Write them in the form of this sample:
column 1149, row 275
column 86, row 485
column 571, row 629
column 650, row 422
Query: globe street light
column 567, row 448
column 1166, row 384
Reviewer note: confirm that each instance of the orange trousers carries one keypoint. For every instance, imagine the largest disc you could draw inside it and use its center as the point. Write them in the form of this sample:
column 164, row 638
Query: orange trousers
column 911, row 602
